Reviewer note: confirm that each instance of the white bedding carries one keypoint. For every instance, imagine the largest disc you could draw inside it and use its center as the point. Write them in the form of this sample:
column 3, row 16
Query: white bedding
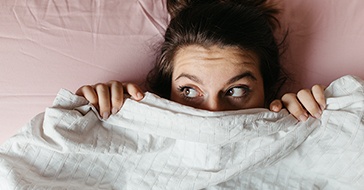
column 158, row 144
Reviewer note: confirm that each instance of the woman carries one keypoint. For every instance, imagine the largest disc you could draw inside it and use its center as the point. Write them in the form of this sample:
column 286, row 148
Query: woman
column 217, row 55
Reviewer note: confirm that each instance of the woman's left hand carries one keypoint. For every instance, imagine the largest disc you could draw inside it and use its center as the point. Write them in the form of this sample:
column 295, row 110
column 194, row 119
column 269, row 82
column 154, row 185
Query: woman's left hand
column 306, row 101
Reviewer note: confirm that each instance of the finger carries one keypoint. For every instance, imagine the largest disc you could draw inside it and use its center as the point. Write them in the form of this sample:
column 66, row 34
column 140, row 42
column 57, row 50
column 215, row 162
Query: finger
column 134, row 90
column 309, row 103
column 318, row 92
column 117, row 96
column 89, row 93
column 103, row 93
column 294, row 106
column 276, row 106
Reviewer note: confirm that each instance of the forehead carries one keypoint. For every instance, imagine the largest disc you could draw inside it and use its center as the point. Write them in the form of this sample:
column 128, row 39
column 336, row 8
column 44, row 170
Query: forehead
column 194, row 57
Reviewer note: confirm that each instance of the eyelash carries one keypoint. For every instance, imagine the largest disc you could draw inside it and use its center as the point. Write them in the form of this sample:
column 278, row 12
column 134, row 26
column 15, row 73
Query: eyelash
column 244, row 87
column 181, row 89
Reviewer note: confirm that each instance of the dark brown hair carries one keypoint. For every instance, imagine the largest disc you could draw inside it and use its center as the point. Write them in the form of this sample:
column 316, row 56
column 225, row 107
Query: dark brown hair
column 247, row 25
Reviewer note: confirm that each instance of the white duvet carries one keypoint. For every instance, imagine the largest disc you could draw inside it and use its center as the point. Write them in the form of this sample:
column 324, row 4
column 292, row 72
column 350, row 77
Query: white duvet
column 158, row 144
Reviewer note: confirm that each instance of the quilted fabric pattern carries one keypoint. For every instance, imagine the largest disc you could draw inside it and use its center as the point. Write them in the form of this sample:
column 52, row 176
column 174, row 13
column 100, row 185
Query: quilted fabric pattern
column 159, row 144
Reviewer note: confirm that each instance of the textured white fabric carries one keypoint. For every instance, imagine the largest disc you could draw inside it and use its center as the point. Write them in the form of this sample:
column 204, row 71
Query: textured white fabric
column 158, row 144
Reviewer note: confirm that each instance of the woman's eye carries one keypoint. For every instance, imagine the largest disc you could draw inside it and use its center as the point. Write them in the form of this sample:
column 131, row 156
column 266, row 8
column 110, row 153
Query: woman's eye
column 238, row 91
column 189, row 92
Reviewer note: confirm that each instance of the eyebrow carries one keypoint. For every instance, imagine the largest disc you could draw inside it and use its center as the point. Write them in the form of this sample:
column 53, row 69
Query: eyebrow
column 246, row 74
column 191, row 77
column 194, row 78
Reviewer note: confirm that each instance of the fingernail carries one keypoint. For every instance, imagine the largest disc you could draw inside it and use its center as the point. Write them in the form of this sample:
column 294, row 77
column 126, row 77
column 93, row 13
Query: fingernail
column 318, row 115
column 139, row 95
column 105, row 115
column 114, row 111
column 303, row 118
column 275, row 108
column 322, row 107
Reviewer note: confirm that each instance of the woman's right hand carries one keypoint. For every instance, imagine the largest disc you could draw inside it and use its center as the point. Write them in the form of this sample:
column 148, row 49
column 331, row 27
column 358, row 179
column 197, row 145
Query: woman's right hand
column 109, row 97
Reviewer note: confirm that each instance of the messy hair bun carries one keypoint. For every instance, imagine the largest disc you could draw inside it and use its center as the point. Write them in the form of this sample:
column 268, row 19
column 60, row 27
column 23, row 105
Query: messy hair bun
column 174, row 7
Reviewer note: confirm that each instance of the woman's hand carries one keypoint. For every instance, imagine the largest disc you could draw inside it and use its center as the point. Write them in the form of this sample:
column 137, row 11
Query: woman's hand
column 306, row 101
column 109, row 97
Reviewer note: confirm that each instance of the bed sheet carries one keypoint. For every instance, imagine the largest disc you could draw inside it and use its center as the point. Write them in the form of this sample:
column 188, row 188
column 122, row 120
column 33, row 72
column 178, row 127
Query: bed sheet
column 47, row 45
column 159, row 144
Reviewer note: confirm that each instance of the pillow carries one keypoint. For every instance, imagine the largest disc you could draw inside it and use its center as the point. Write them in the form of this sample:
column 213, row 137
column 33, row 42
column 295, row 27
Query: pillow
column 48, row 45
column 325, row 41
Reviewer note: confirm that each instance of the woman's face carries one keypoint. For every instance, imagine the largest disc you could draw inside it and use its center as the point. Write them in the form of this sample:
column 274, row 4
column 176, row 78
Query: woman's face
column 217, row 79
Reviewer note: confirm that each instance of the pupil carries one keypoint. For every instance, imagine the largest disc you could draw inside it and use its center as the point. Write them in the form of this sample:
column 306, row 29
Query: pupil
column 231, row 91
column 187, row 91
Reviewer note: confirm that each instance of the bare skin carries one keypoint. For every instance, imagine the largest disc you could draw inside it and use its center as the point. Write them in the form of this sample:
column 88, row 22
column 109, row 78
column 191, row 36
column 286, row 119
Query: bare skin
column 214, row 79
column 217, row 79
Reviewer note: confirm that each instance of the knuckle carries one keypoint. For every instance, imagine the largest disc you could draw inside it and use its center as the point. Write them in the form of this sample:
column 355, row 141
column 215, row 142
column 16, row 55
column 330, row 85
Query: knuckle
column 101, row 87
column 276, row 102
column 92, row 99
column 115, row 82
column 131, row 88
column 316, row 87
column 288, row 96
column 85, row 88
column 303, row 92
column 319, row 87
column 127, row 85
column 130, row 85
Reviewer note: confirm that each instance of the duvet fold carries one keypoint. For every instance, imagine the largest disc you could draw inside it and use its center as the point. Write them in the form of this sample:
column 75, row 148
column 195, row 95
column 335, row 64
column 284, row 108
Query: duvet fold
column 159, row 144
